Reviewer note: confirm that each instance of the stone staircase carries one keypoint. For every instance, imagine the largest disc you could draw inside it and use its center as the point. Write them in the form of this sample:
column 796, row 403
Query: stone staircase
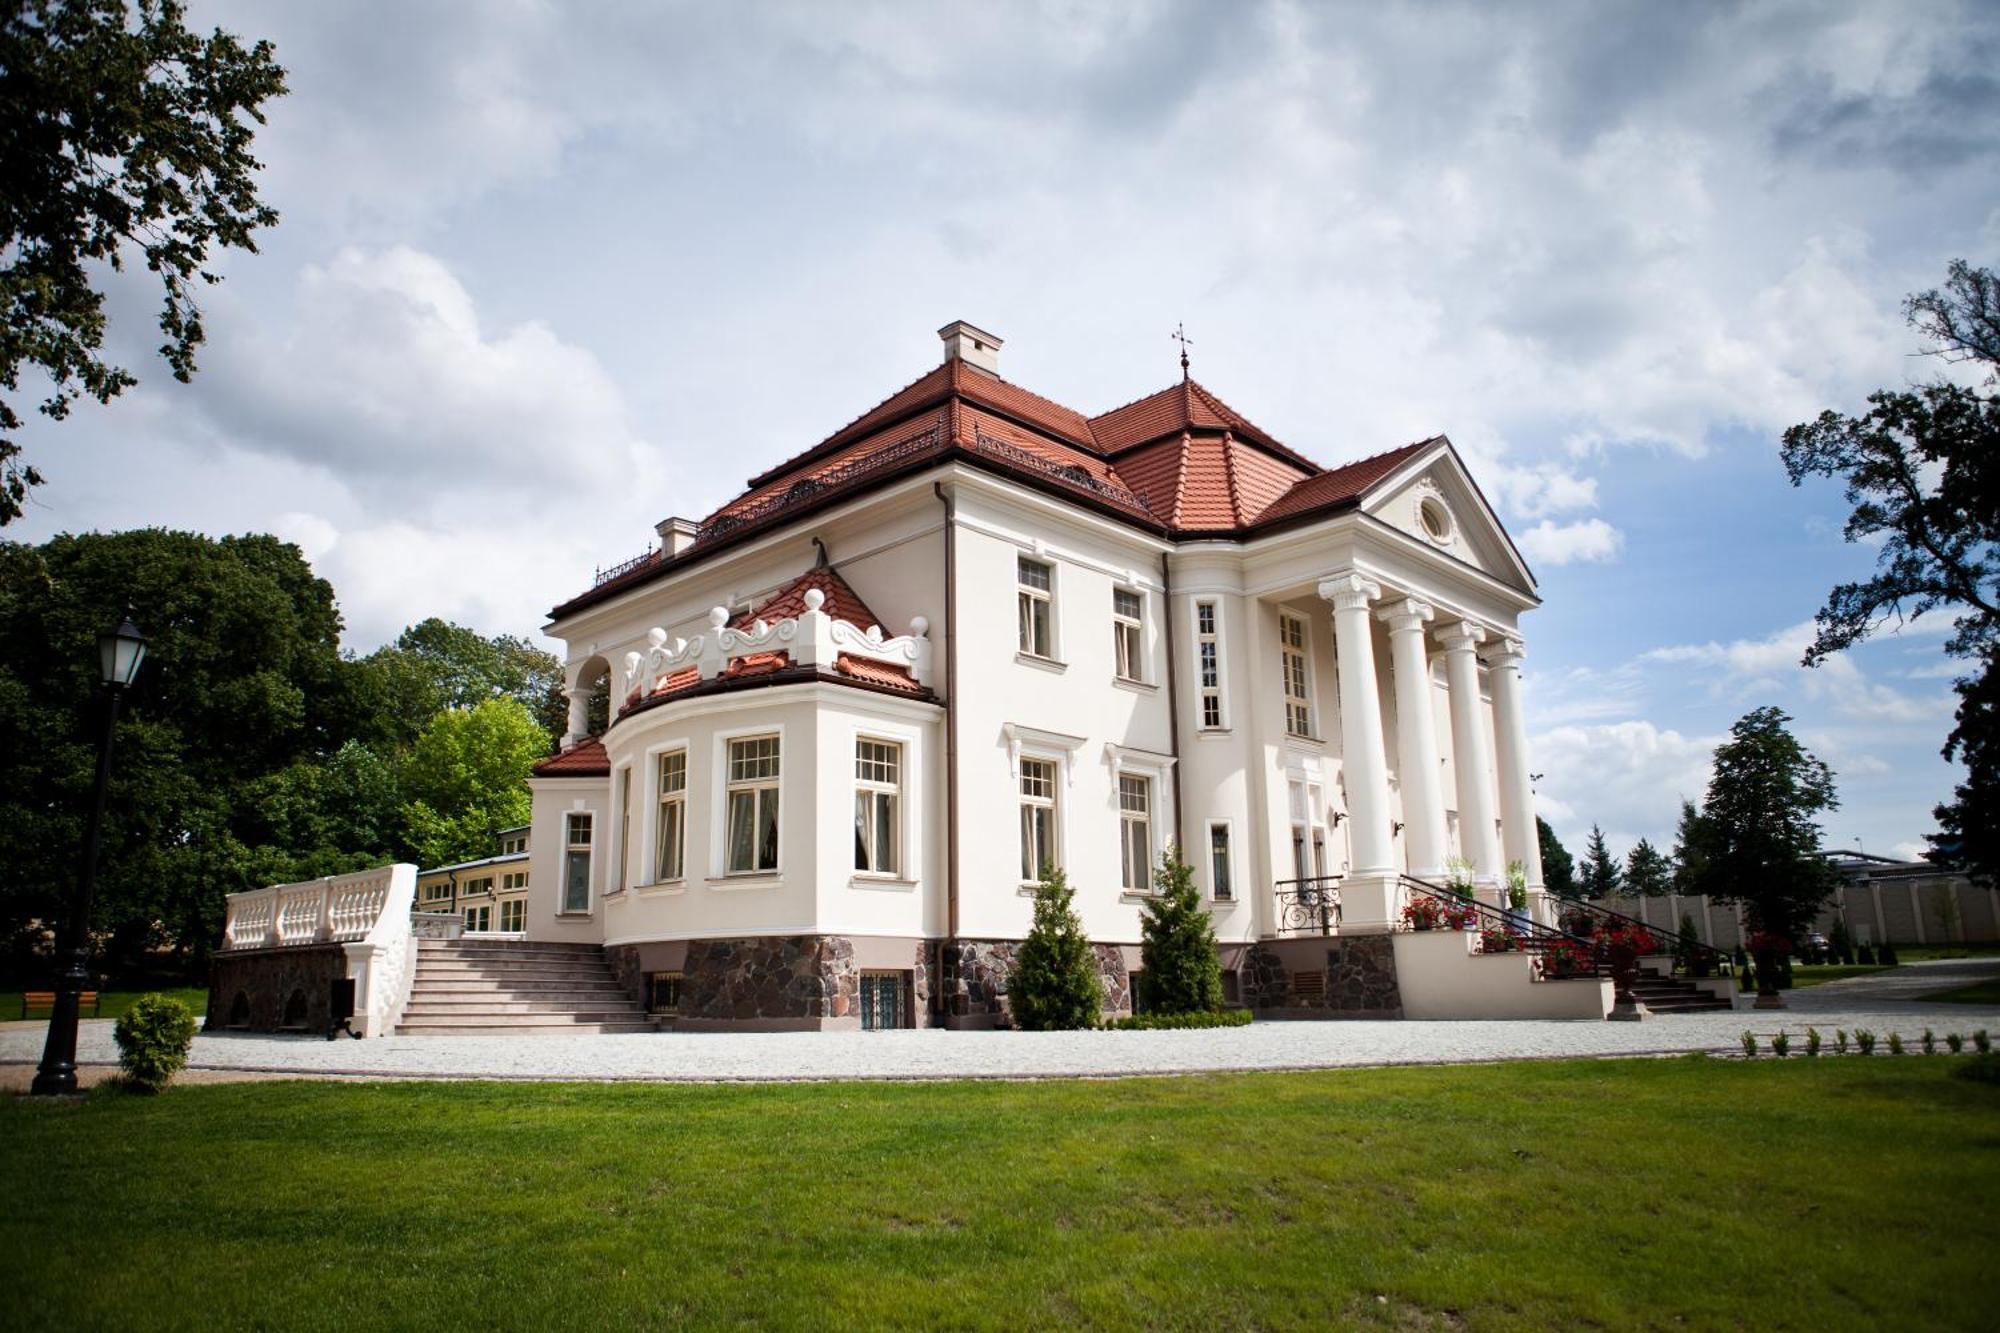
column 477, row 987
column 1670, row 995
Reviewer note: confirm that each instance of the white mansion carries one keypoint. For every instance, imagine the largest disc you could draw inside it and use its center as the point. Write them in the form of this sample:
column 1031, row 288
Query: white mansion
column 850, row 715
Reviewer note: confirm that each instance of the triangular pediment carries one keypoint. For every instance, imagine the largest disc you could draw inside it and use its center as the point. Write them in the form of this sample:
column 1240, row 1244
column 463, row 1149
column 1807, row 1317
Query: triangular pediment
column 1433, row 498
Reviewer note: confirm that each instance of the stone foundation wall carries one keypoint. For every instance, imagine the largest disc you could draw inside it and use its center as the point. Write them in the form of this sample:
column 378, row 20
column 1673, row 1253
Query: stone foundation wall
column 266, row 980
column 627, row 970
column 976, row 973
column 788, row 977
column 1359, row 976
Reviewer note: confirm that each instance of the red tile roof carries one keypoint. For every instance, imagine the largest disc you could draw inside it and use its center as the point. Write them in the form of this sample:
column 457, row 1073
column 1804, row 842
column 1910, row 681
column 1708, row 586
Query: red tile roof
column 1343, row 485
column 585, row 759
column 877, row 673
column 788, row 602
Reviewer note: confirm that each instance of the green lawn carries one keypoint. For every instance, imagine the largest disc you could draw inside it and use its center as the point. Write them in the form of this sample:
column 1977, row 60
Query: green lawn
column 1918, row 953
column 1672, row 1193
column 1802, row 975
column 1979, row 992
column 110, row 1004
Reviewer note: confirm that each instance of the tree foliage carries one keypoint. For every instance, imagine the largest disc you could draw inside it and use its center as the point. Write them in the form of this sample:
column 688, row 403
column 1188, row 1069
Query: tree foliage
column 1179, row 970
column 1757, row 836
column 1055, row 983
column 1687, row 849
column 1648, row 874
column 125, row 138
column 466, row 779
column 1558, row 866
column 434, row 665
column 1922, row 471
column 1599, row 875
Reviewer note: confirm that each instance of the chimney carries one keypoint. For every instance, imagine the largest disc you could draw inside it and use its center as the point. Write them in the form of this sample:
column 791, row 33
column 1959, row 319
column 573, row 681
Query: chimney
column 974, row 346
column 676, row 535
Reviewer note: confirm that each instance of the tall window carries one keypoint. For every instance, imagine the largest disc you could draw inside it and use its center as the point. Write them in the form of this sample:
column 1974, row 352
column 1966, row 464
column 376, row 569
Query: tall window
column 1297, row 681
column 479, row 918
column 1038, row 817
column 1037, row 639
column 514, row 915
column 624, row 825
column 878, row 776
column 1128, row 632
column 1218, row 862
column 753, row 805
column 1208, row 661
column 673, row 817
column 1135, row 831
column 576, row 862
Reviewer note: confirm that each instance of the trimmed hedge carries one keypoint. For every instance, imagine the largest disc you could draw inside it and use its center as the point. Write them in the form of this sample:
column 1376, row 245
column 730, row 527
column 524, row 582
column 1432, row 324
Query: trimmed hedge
column 1213, row 1018
column 153, row 1039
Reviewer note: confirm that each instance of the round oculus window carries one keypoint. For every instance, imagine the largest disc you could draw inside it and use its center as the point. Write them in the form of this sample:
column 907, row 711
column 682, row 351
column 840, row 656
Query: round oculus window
column 1436, row 519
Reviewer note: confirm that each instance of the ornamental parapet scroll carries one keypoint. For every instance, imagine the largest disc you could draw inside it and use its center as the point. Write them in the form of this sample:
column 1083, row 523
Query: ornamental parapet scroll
column 812, row 638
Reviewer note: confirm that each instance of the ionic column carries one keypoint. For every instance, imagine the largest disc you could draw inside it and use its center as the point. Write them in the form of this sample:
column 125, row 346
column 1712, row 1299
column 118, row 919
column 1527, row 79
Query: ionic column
column 1417, row 752
column 579, row 714
column 1472, row 752
column 1368, row 894
column 1520, row 840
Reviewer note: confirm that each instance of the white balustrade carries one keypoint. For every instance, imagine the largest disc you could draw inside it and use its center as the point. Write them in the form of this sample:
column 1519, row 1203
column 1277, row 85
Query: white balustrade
column 367, row 913
column 813, row 639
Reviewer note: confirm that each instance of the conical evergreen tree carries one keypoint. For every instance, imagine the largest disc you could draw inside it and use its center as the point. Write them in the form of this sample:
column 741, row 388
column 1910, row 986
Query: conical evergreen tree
column 1558, row 866
column 1179, row 970
column 1647, row 873
column 1599, row 876
column 1055, row 983
column 1687, row 849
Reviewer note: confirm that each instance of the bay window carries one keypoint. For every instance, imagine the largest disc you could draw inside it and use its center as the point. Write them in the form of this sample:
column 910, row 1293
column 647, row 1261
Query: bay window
column 752, row 805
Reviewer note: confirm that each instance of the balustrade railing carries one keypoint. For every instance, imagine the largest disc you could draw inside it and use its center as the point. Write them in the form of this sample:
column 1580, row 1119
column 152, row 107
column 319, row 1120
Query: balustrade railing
column 1585, row 919
column 366, row 913
column 1309, row 906
column 1556, row 953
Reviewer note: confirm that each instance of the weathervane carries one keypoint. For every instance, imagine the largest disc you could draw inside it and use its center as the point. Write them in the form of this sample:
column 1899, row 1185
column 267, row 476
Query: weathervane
column 1179, row 335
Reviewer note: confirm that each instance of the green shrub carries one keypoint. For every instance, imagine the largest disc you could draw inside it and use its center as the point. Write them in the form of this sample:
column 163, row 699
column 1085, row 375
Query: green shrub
column 1864, row 1040
column 1781, row 1045
column 1749, row 1044
column 1840, row 1040
column 153, row 1040
column 1980, row 1069
column 1981, row 1042
column 1930, row 1042
column 1866, row 955
column 1055, row 983
column 1886, row 955
column 1812, row 1041
column 1895, row 1043
column 1214, row 1018
column 1179, row 972
column 1954, row 1042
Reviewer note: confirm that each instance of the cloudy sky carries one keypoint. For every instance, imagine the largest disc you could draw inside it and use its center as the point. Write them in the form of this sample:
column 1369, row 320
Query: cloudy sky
column 548, row 274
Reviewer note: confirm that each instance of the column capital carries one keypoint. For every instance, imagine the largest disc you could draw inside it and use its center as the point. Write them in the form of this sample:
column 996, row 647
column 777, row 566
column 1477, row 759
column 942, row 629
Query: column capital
column 1506, row 650
column 1460, row 636
column 1350, row 592
column 1407, row 613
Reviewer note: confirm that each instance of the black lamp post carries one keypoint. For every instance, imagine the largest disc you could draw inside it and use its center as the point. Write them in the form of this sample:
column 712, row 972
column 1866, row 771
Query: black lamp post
column 121, row 651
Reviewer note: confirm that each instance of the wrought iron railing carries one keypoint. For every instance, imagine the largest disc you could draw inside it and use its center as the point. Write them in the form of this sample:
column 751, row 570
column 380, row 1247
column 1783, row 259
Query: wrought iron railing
column 1557, row 953
column 1071, row 473
column 1578, row 911
column 605, row 576
column 1309, row 906
column 806, row 489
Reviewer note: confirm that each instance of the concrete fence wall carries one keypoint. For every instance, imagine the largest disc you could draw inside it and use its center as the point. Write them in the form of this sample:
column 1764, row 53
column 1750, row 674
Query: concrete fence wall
column 1907, row 909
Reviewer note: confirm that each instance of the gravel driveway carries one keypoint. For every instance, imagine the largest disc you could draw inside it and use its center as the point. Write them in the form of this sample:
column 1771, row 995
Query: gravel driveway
column 1885, row 1004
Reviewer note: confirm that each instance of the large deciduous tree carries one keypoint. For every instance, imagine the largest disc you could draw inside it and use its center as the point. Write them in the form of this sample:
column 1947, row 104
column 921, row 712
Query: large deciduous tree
column 1757, row 836
column 1922, row 470
column 434, row 665
column 466, row 779
column 124, row 141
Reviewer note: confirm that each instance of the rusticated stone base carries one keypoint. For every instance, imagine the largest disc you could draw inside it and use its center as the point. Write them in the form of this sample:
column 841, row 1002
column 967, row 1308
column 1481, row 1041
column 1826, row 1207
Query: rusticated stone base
column 1263, row 980
column 1351, row 976
column 976, row 973
column 272, row 990
column 1361, row 977
column 627, row 970
column 801, row 978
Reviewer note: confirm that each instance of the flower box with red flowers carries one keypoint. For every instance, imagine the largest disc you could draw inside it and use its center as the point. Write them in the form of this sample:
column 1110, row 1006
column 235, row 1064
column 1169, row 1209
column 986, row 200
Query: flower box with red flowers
column 1436, row 914
column 1561, row 958
column 1636, row 938
column 1494, row 940
column 1768, row 943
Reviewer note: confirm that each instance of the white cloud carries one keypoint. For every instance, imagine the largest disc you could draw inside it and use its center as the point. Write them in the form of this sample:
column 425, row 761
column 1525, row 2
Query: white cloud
column 1628, row 776
column 1771, row 666
column 1552, row 543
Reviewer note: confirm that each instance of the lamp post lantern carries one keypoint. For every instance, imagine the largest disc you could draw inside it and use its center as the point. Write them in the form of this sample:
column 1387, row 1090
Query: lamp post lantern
column 120, row 652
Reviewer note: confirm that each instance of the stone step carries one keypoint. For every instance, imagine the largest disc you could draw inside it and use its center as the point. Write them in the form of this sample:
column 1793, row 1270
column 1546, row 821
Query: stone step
column 444, row 1004
column 502, row 949
column 482, row 986
column 624, row 1013
column 479, row 972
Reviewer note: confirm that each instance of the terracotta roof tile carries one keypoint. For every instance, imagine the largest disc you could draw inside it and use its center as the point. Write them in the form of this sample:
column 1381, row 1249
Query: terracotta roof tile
column 585, row 759
column 1342, row 485
column 842, row 602
column 877, row 673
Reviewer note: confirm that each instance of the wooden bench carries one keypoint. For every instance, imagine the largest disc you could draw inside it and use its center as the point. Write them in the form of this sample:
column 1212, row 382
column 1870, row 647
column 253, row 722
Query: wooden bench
column 46, row 999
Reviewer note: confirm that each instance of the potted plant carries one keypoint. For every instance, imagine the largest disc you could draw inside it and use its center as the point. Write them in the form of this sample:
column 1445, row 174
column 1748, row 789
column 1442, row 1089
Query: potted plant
column 1769, row 950
column 1564, row 958
column 1428, row 913
column 1624, row 945
column 1492, row 939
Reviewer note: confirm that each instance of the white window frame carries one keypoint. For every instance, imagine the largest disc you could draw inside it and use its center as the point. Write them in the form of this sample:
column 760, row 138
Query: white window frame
column 1146, row 819
column 1204, row 692
column 1302, row 652
column 482, row 914
column 656, row 757
column 1157, row 769
column 516, row 907
column 1053, row 802
column 621, row 795
column 1024, row 742
column 570, row 847
column 1128, row 636
column 1023, row 594
column 1216, row 885
column 719, row 817
column 513, row 880
column 896, row 791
